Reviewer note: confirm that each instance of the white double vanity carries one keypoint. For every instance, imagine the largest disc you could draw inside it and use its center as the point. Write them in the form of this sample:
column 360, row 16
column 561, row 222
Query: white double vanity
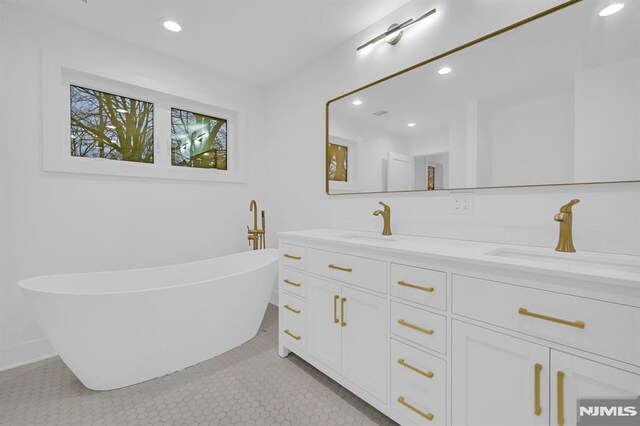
column 441, row 332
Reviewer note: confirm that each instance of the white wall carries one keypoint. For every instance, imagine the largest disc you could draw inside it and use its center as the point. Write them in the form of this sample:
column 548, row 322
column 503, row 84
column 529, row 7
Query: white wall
column 532, row 141
column 608, row 219
column 607, row 122
column 70, row 223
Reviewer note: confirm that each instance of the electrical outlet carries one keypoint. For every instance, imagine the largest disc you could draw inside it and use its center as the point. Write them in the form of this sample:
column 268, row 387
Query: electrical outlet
column 461, row 203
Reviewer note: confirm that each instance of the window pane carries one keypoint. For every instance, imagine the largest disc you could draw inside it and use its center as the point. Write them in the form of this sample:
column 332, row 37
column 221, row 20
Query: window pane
column 110, row 126
column 198, row 140
column 338, row 162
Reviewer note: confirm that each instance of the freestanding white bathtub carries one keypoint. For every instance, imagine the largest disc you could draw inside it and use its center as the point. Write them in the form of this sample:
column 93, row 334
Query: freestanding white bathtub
column 115, row 329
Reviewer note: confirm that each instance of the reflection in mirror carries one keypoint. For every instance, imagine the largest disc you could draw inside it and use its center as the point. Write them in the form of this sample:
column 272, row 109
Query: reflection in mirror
column 553, row 101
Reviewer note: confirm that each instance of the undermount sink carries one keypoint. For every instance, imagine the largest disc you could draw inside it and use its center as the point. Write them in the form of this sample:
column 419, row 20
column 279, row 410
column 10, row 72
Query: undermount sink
column 590, row 260
column 377, row 238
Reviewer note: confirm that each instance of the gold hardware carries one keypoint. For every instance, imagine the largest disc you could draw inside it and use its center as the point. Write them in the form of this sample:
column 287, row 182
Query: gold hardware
column 406, row 284
column 257, row 237
column 290, row 256
column 335, row 309
column 292, row 283
column 342, row 302
column 427, row 416
column 386, row 218
column 295, row 311
column 427, row 374
column 560, row 398
column 293, row 335
column 576, row 324
column 415, row 327
column 537, row 407
column 565, row 217
column 340, row 268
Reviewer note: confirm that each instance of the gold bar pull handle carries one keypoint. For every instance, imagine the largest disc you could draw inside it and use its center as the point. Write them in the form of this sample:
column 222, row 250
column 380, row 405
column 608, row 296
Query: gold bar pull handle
column 415, row 327
column 295, row 311
column 335, row 309
column 560, row 397
column 427, row 416
column 427, row 374
column 536, row 403
column 418, row 287
column 576, row 324
column 340, row 268
column 292, row 283
column 290, row 256
column 342, row 302
column 293, row 335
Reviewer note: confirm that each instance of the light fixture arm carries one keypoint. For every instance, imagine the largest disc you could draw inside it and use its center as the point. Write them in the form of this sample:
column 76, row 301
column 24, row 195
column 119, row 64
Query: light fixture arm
column 396, row 29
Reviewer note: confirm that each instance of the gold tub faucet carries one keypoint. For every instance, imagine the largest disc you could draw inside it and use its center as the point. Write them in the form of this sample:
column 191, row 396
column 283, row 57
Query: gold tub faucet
column 565, row 217
column 256, row 237
column 386, row 216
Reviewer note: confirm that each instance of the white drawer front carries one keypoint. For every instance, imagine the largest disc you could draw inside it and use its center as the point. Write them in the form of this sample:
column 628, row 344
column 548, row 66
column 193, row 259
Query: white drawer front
column 294, row 324
column 419, row 285
column 293, row 282
column 422, row 327
column 421, row 380
column 603, row 328
column 293, row 256
column 360, row 271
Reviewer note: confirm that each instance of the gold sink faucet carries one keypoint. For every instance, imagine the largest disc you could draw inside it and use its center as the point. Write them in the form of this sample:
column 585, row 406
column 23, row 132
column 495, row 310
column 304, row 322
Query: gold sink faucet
column 565, row 217
column 256, row 237
column 386, row 216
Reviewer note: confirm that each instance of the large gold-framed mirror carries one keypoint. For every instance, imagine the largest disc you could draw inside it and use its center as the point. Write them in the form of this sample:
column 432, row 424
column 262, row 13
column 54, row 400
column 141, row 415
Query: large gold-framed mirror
column 551, row 100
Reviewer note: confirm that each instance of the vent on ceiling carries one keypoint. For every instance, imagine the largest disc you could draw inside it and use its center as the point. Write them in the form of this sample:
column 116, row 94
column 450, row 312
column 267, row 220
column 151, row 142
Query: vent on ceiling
column 379, row 113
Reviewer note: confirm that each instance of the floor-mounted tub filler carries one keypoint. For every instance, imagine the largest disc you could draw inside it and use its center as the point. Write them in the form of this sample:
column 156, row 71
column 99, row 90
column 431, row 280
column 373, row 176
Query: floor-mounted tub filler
column 115, row 329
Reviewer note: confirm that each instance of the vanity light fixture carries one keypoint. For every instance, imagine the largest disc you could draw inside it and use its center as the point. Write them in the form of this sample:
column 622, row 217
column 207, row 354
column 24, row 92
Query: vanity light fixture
column 357, row 102
column 444, row 71
column 172, row 26
column 412, row 124
column 395, row 31
column 611, row 9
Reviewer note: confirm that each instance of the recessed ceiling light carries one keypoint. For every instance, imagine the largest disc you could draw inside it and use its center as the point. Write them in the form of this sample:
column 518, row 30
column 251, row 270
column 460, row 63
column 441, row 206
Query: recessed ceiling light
column 411, row 125
column 172, row 26
column 357, row 102
column 444, row 70
column 121, row 110
column 611, row 9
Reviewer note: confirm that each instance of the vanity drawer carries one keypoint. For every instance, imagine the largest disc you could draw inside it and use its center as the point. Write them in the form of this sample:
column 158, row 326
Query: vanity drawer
column 420, row 379
column 293, row 282
column 354, row 270
column 599, row 327
column 293, row 256
column 422, row 327
column 294, row 321
column 419, row 285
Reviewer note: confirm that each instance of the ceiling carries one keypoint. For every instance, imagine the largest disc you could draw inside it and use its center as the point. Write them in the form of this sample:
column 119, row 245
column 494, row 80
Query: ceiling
column 257, row 41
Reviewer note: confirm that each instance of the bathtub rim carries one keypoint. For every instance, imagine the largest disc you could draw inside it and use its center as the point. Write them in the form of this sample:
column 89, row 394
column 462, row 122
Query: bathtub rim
column 24, row 282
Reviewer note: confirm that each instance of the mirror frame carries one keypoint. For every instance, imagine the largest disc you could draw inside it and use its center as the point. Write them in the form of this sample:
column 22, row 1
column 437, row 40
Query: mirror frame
column 489, row 36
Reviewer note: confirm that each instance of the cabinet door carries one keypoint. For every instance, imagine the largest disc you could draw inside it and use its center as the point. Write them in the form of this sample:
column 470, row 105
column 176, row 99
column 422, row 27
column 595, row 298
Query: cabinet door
column 323, row 322
column 498, row 379
column 365, row 340
column 574, row 378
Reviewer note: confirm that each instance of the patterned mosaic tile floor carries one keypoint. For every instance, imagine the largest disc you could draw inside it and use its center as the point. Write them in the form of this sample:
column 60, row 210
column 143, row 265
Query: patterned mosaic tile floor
column 250, row 385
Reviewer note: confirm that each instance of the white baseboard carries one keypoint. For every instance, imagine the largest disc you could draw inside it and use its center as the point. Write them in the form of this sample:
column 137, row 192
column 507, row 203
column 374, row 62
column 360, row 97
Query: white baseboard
column 25, row 353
